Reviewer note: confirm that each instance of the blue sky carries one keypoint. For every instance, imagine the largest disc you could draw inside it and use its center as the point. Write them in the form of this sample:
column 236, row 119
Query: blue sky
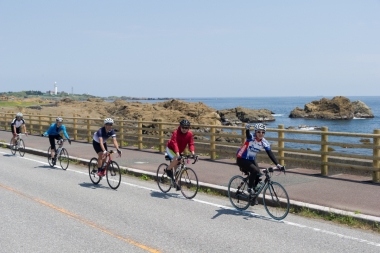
column 191, row 48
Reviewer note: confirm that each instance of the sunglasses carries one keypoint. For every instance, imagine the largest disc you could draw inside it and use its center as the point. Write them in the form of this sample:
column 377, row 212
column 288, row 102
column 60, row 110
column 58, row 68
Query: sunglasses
column 109, row 124
column 185, row 127
column 260, row 132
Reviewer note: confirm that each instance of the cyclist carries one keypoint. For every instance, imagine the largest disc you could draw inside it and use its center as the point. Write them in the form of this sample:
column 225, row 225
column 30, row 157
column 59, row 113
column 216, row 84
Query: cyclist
column 181, row 138
column 16, row 124
column 54, row 134
column 246, row 155
column 99, row 142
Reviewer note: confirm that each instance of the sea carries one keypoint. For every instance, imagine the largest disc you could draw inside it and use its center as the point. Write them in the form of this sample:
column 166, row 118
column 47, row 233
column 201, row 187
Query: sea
column 282, row 106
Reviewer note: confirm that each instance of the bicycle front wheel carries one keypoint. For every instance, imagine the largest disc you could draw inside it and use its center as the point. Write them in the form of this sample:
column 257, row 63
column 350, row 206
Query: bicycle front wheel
column 276, row 201
column 113, row 175
column 21, row 147
column 163, row 181
column 50, row 160
column 93, row 170
column 64, row 158
column 188, row 182
column 237, row 192
column 12, row 147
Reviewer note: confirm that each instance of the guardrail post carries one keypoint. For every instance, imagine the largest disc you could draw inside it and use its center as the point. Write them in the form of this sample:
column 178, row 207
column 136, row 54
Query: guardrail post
column 281, row 145
column 88, row 129
column 40, row 124
column 50, row 118
column 243, row 133
column 324, row 148
column 75, row 127
column 121, row 130
column 139, row 134
column 212, row 142
column 30, row 124
column 6, row 121
column 376, row 154
column 161, row 136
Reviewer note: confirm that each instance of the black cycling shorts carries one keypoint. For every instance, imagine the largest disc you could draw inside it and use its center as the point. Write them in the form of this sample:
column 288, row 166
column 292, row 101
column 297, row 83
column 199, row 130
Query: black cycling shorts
column 97, row 147
column 52, row 139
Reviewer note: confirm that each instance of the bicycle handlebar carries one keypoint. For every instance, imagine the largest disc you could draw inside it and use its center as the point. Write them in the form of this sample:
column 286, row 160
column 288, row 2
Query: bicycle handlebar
column 187, row 157
column 271, row 170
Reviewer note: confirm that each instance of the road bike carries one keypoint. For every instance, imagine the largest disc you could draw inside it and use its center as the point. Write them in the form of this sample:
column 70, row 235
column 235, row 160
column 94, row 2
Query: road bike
column 184, row 177
column 111, row 169
column 60, row 155
column 274, row 197
column 19, row 146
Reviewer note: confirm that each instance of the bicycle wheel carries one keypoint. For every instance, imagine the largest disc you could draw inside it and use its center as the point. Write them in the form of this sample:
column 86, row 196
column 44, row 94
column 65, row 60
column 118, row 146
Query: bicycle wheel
column 188, row 183
column 237, row 192
column 93, row 170
column 12, row 147
column 50, row 161
column 113, row 175
column 21, row 147
column 64, row 158
column 163, row 181
column 276, row 201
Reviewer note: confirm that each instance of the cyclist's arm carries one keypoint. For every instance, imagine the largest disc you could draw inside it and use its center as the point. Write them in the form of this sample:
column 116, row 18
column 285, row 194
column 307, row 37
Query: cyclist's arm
column 173, row 140
column 271, row 156
column 64, row 132
column 101, row 144
column 191, row 144
column 115, row 143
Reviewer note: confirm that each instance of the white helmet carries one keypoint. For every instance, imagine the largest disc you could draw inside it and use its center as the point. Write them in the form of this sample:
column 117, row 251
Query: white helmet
column 108, row 121
column 19, row 114
column 260, row 126
column 59, row 119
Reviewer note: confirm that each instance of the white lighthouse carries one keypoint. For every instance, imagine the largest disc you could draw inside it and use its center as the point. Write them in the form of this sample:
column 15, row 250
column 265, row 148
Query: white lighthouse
column 55, row 88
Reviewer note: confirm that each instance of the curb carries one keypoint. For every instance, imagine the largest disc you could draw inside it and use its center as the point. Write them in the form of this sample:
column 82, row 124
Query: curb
column 369, row 219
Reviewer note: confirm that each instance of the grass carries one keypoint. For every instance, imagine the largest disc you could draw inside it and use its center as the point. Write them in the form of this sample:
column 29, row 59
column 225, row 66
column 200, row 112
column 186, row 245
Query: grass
column 337, row 218
column 16, row 103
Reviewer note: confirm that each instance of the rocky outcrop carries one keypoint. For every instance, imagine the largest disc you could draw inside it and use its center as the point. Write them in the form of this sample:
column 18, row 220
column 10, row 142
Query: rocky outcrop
column 239, row 114
column 338, row 108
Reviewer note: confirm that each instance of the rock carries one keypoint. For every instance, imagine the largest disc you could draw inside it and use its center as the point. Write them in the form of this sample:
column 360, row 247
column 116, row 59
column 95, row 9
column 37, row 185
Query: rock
column 239, row 114
column 338, row 108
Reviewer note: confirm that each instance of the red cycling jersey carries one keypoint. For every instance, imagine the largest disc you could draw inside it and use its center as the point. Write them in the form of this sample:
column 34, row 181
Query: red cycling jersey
column 179, row 141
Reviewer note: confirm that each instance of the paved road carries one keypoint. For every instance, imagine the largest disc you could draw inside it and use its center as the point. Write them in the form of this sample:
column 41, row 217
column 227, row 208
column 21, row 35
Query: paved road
column 343, row 192
column 50, row 210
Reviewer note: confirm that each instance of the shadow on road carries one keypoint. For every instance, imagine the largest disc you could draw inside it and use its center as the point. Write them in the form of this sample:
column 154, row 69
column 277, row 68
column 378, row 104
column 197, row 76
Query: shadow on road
column 93, row 186
column 245, row 214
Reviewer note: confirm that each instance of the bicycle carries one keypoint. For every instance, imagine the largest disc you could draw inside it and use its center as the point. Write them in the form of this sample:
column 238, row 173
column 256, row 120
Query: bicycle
column 19, row 146
column 275, row 198
column 61, row 154
column 112, row 171
column 186, row 177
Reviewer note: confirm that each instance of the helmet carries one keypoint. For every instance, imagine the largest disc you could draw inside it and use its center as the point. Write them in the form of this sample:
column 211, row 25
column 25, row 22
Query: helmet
column 184, row 122
column 260, row 126
column 59, row 119
column 108, row 121
column 19, row 114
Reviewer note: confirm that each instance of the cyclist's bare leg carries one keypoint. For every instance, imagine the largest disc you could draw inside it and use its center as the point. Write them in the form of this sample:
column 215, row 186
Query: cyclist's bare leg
column 172, row 164
column 52, row 153
column 101, row 160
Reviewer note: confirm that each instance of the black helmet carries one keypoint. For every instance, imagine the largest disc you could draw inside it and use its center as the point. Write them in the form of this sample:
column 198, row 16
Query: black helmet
column 184, row 122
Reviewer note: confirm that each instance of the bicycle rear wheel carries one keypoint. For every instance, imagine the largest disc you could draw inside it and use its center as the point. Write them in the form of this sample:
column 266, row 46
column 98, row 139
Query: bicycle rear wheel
column 237, row 192
column 163, row 181
column 113, row 175
column 50, row 160
column 188, row 181
column 21, row 147
column 64, row 158
column 93, row 170
column 12, row 147
column 276, row 201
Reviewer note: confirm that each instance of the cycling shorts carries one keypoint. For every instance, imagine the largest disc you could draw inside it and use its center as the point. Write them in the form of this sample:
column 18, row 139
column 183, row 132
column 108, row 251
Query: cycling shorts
column 171, row 154
column 17, row 130
column 52, row 139
column 97, row 146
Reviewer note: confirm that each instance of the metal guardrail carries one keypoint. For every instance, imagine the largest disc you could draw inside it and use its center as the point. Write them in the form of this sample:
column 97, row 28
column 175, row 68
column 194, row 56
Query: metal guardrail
column 209, row 140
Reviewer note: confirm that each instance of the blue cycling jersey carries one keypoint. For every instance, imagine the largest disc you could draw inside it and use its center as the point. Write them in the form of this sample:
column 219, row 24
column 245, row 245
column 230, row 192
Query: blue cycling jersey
column 251, row 147
column 54, row 130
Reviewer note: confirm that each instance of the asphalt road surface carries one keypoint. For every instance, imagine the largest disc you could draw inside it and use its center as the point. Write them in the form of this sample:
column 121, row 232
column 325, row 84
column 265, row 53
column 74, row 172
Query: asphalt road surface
column 47, row 209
